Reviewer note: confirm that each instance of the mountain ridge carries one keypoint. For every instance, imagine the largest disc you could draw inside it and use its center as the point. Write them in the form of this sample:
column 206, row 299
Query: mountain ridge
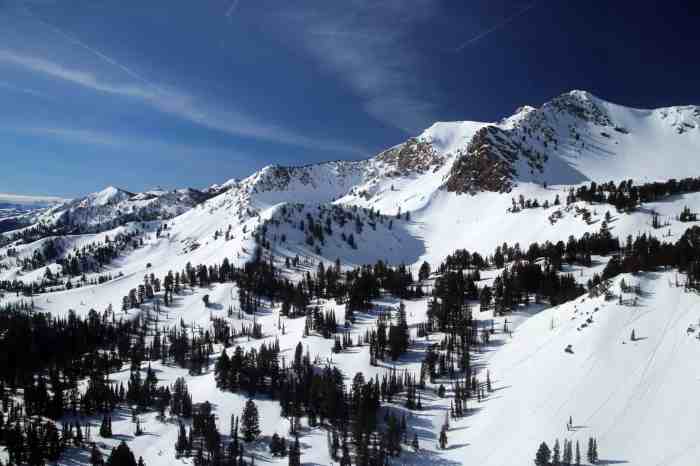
column 574, row 138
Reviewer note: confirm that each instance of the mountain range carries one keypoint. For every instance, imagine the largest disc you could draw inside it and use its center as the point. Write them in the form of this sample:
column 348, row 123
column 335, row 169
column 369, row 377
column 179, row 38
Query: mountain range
column 546, row 175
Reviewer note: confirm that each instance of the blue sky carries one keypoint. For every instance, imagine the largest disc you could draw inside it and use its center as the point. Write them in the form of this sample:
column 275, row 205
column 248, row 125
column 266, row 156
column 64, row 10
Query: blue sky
column 188, row 93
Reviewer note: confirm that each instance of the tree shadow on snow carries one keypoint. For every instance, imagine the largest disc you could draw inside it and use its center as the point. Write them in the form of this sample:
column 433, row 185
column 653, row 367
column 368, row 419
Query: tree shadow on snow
column 423, row 457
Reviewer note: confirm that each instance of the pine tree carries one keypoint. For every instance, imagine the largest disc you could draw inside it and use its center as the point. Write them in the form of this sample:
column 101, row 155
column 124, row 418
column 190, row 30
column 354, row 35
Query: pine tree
column 415, row 444
column 121, row 456
column 295, row 453
column 443, row 438
column 181, row 444
column 424, row 271
column 578, row 454
column 96, row 456
column 556, row 453
column 567, row 457
column 543, row 455
column 78, row 434
column 345, row 460
column 590, row 454
column 106, row 427
column 595, row 451
column 250, row 421
column 138, row 432
column 221, row 371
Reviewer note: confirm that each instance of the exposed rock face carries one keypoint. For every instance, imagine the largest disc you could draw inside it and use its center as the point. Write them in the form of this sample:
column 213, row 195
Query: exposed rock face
column 582, row 105
column 494, row 158
column 282, row 178
column 335, row 179
column 486, row 165
column 413, row 156
column 520, row 146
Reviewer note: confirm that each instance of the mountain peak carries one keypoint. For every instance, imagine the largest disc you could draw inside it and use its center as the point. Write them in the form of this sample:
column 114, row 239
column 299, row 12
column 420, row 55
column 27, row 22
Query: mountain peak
column 580, row 93
column 109, row 195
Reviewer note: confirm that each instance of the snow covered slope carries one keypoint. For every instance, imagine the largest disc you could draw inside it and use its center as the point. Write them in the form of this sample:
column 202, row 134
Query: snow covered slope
column 113, row 206
column 455, row 179
column 635, row 396
column 17, row 211
column 450, row 187
column 28, row 201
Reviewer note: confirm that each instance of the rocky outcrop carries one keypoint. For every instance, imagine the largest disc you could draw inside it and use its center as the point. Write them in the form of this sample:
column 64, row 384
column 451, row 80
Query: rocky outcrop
column 582, row 105
column 487, row 164
column 491, row 162
column 413, row 156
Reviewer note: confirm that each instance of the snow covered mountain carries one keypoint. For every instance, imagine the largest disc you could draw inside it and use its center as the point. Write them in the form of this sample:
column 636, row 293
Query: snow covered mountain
column 19, row 200
column 113, row 206
column 455, row 180
column 17, row 211
column 578, row 137
column 457, row 185
column 575, row 138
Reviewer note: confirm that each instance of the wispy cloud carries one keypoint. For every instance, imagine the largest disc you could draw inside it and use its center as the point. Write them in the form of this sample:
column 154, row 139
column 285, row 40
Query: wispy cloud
column 23, row 90
column 75, row 76
column 498, row 26
column 232, row 8
column 367, row 45
column 128, row 142
column 82, row 136
column 173, row 102
column 75, row 41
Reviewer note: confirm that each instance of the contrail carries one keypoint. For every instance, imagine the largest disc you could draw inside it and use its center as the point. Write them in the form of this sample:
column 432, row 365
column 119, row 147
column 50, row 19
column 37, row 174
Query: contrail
column 232, row 8
column 74, row 40
column 495, row 28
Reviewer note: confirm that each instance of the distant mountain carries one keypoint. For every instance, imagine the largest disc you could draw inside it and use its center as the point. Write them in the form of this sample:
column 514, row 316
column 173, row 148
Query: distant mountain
column 22, row 201
column 574, row 138
column 17, row 211
column 114, row 206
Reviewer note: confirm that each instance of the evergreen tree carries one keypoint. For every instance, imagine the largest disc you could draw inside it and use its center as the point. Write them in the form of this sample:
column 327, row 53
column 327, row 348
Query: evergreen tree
column 556, row 453
column 121, row 456
column 567, row 457
column 595, row 451
column 578, row 454
column 424, row 271
column 96, row 456
column 295, row 453
column 250, row 421
column 591, row 453
column 543, row 455
column 106, row 426
column 181, row 443
column 443, row 438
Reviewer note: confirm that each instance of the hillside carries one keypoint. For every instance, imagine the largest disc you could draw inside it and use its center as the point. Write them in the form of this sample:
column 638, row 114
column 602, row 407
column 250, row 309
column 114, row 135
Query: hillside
column 630, row 394
column 113, row 206
column 324, row 256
